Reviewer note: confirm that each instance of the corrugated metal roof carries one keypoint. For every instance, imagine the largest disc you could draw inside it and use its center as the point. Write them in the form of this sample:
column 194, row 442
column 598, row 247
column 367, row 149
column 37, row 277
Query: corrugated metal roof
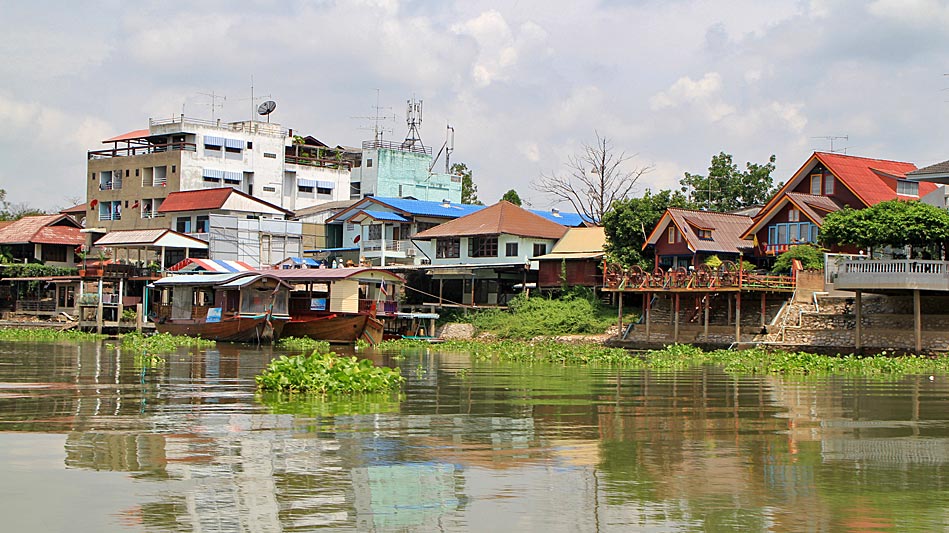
column 63, row 229
column 78, row 209
column 858, row 173
column 382, row 215
column 572, row 220
column 134, row 134
column 579, row 240
column 502, row 217
column 202, row 279
column 333, row 274
column 427, row 208
column 326, row 206
column 151, row 237
column 207, row 200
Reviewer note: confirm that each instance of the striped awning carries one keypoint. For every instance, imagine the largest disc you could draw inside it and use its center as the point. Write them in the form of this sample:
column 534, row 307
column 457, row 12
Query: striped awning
column 234, row 143
column 228, row 175
column 326, row 184
column 213, row 141
column 306, row 183
column 211, row 265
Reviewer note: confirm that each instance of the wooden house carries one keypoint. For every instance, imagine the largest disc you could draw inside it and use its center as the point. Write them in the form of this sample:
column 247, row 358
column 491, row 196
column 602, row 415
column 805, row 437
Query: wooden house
column 575, row 260
column 685, row 237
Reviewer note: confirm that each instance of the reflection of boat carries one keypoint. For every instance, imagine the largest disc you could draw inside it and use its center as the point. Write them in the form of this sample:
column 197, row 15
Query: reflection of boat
column 237, row 307
column 339, row 305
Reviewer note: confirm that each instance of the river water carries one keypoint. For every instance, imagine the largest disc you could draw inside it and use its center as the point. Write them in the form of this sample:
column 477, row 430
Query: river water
column 92, row 441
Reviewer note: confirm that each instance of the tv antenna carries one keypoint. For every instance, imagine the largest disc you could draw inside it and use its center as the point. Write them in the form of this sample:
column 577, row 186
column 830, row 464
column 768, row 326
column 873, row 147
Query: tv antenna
column 377, row 129
column 448, row 147
column 413, row 119
column 253, row 101
column 831, row 139
column 266, row 109
column 213, row 104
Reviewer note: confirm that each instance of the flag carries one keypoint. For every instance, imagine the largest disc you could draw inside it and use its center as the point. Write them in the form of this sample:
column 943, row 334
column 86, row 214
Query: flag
column 135, row 205
column 382, row 288
column 756, row 240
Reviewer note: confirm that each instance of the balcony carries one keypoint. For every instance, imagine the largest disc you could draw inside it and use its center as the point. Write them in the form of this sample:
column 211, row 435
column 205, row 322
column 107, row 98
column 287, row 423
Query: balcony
column 113, row 185
column 401, row 248
column 319, row 162
column 127, row 151
column 903, row 274
column 402, row 147
column 152, row 214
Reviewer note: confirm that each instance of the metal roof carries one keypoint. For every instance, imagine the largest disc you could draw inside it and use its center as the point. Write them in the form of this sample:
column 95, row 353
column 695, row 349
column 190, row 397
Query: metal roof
column 333, row 274
column 201, row 279
column 42, row 229
column 151, row 238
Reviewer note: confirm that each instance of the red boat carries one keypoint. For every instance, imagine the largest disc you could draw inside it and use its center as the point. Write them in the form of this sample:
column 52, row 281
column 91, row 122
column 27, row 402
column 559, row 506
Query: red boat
column 334, row 328
column 235, row 307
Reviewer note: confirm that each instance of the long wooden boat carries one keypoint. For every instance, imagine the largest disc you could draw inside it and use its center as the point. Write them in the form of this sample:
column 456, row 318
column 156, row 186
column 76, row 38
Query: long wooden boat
column 234, row 307
column 336, row 328
column 339, row 305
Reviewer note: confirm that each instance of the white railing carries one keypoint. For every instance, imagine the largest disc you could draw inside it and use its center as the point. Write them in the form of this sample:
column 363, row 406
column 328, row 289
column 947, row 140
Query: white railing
column 893, row 274
column 375, row 245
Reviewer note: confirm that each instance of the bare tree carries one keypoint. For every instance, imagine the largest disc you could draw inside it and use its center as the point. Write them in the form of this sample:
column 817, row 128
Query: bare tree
column 595, row 178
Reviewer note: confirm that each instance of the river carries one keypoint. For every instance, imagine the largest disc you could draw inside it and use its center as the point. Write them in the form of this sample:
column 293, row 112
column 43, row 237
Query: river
column 92, row 441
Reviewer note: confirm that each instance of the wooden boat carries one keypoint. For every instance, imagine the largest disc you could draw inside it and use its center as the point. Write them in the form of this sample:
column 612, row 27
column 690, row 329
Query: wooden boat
column 339, row 305
column 234, row 307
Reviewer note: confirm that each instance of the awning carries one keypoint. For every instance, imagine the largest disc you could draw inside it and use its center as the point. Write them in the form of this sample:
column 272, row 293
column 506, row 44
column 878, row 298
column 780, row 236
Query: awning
column 213, row 141
column 234, row 143
column 306, row 183
column 211, row 265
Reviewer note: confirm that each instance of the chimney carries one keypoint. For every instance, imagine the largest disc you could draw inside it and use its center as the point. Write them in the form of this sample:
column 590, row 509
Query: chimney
column 555, row 212
column 446, row 203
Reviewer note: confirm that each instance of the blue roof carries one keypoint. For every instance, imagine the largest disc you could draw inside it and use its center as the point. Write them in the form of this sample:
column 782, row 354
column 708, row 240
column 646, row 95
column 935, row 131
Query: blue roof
column 572, row 220
column 427, row 208
column 385, row 215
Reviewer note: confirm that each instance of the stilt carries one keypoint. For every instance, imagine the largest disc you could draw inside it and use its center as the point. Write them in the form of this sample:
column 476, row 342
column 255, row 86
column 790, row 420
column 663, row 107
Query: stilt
column 738, row 316
column 764, row 309
column 707, row 303
column 441, row 288
column 138, row 317
column 620, row 318
column 648, row 312
column 728, row 319
column 858, row 310
column 675, row 329
column 917, row 321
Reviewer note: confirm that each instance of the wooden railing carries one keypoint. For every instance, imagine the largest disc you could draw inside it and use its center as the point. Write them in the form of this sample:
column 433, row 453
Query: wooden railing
column 704, row 278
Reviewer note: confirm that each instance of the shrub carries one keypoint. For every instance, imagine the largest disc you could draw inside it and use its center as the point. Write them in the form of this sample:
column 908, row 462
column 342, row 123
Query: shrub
column 303, row 343
column 327, row 373
column 811, row 257
column 576, row 312
column 161, row 342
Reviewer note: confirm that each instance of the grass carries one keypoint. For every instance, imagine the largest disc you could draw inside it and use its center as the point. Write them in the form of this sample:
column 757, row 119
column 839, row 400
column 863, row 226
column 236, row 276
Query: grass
column 46, row 334
column 576, row 312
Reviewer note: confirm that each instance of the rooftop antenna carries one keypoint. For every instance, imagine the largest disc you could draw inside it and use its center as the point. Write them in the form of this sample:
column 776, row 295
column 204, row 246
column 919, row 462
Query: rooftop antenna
column 214, row 104
column 413, row 118
column 448, row 147
column 253, row 101
column 831, row 139
column 267, row 108
column 377, row 129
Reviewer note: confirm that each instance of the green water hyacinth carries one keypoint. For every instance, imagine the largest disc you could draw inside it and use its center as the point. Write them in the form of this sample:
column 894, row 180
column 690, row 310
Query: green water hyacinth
column 162, row 342
column 46, row 334
column 327, row 373
column 303, row 343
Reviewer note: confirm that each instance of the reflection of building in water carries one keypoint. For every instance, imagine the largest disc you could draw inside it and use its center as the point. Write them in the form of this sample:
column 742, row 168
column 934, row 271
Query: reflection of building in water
column 410, row 495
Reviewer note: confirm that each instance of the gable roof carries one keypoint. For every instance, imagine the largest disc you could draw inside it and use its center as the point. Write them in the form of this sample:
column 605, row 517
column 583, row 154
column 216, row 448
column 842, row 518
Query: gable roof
column 871, row 180
column 938, row 173
column 323, row 207
column 578, row 243
column 43, row 229
column 155, row 238
column 207, row 200
column 726, row 228
column 502, row 217
column 79, row 209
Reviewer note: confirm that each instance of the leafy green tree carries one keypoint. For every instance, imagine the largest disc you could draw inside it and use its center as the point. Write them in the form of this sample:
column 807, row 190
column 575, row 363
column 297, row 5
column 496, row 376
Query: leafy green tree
column 894, row 223
column 811, row 258
column 727, row 188
column 11, row 211
column 469, row 190
column 630, row 221
column 512, row 196
column 594, row 180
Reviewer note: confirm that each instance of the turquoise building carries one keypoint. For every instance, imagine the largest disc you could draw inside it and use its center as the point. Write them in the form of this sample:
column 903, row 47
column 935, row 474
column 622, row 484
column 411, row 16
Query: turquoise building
column 401, row 170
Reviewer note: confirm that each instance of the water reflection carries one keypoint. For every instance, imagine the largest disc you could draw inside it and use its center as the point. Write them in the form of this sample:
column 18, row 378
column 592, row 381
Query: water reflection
column 473, row 445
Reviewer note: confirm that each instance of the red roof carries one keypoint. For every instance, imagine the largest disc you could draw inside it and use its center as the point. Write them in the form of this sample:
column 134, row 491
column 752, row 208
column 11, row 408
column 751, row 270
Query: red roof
column 79, row 209
column 502, row 217
column 872, row 180
column 207, row 200
column 135, row 134
column 726, row 230
column 42, row 229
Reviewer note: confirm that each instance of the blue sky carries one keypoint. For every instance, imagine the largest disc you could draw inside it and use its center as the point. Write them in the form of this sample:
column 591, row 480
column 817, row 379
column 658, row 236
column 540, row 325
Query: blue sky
column 523, row 83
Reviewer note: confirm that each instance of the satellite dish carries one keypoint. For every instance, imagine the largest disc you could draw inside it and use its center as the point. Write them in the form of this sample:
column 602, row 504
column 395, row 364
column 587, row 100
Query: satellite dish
column 266, row 108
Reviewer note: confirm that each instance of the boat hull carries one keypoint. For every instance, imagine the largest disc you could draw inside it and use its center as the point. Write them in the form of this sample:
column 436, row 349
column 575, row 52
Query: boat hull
column 238, row 329
column 335, row 328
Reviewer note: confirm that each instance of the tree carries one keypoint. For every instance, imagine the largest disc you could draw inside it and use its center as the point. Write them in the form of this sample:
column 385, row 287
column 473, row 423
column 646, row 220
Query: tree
column 630, row 221
column 469, row 191
column 811, row 258
column 894, row 223
column 512, row 196
column 11, row 211
column 726, row 188
column 594, row 180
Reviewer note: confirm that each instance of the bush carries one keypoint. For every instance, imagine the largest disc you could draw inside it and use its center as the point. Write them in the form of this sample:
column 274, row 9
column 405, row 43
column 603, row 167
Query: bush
column 576, row 312
column 811, row 257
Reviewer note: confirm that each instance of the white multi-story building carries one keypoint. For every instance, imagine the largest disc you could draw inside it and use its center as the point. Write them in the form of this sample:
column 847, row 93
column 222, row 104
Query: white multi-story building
column 128, row 181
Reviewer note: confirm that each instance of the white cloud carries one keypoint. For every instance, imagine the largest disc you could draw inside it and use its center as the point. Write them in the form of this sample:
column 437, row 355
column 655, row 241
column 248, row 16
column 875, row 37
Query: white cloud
column 499, row 47
column 702, row 94
column 919, row 14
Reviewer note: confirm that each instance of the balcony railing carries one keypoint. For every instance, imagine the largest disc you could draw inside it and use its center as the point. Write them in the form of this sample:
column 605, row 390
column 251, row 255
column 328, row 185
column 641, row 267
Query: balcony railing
column 113, row 185
column 141, row 150
column 152, row 214
column 869, row 274
column 402, row 147
column 375, row 245
column 319, row 162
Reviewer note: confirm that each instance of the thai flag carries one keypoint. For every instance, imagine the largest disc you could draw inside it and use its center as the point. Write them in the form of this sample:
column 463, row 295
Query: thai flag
column 382, row 288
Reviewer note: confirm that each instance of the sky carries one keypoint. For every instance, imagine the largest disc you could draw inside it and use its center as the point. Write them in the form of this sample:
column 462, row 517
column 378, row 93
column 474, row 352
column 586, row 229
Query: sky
column 524, row 84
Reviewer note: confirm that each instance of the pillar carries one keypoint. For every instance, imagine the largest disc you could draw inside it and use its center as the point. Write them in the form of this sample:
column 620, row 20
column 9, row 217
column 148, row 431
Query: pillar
column 675, row 328
column 708, row 297
column 620, row 313
column 764, row 309
column 858, row 310
column 917, row 321
column 648, row 309
column 738, row 316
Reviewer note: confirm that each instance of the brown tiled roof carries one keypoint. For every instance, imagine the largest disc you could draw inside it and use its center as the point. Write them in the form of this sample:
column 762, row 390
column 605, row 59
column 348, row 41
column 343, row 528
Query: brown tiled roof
column 726, row 229
column 42, row 229
column 79, row 209
column 205, row 200
column 938, row 168
column 815, row 207
column 502, row 217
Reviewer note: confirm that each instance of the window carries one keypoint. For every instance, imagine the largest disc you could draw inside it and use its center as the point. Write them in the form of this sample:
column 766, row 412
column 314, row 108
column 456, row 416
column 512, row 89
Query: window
column 183, row 224
column 907, row 188
column 375, row 232
column 483, row 246
column 52, row 252
column 369, row 163
column 447, row 248
column 794, row 215
column 232, row 150
column 422, row 226
column 539, row 249
column 323, row 190
column 792, row 233
column 270, row 189
column 110, row 210
column 250, row 144
column 305, row 189
column 510, row 249
column 672, row 235
column 210, row 179
column 174, row 168
column 269, row 155
column 704, row 234
column 202, row 224
column 136, row 172
column 350, row 226
column 829, row 185
column 815, row 184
